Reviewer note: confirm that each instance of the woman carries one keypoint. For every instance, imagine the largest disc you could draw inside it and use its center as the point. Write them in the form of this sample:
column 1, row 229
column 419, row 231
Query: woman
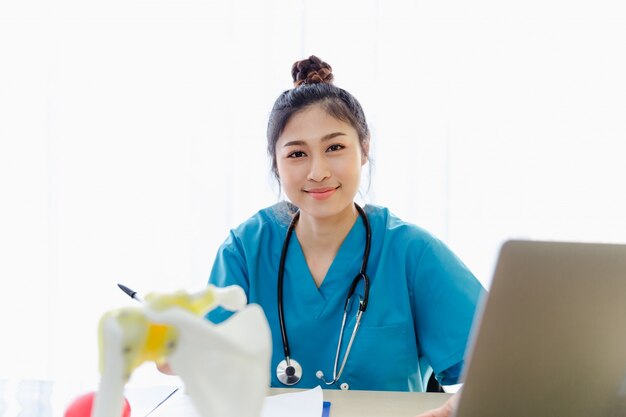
column 421, row 298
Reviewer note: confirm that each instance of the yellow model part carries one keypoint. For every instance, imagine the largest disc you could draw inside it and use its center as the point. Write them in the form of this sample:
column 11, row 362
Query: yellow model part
column 198, row 303
column 141, row 340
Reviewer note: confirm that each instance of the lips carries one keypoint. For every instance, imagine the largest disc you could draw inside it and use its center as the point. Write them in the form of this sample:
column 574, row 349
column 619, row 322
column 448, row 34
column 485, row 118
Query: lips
column 321, row 193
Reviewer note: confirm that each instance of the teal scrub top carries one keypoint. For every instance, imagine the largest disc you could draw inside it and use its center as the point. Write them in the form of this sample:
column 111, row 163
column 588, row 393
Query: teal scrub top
column 421, row 304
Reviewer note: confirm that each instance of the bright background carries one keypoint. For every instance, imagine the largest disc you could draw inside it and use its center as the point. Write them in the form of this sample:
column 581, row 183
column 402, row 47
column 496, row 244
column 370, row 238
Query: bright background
column 132, row 137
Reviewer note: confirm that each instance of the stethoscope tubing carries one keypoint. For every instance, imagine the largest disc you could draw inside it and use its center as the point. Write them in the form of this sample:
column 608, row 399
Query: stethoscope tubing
column 281, row 275
column 361, row 309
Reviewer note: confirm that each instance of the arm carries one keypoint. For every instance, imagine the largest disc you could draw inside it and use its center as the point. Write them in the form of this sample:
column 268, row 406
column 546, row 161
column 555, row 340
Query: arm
column 445, row 296
column 447, row 314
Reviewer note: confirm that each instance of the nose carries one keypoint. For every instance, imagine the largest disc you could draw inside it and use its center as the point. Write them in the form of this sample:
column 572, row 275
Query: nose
column 319, row 169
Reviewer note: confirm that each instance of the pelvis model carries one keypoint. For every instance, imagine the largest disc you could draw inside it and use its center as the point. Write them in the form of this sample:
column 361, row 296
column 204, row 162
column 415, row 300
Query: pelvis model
column 224, row 367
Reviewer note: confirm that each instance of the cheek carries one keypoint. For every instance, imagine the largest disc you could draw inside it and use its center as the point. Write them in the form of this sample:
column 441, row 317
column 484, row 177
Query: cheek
column 285, row 173
column 349, row 169
column 280, row 169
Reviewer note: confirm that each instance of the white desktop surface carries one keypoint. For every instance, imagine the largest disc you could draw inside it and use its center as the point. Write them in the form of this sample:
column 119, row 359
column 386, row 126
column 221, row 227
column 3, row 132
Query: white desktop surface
column 50, row 399
column 377, row 403
column 343, row 403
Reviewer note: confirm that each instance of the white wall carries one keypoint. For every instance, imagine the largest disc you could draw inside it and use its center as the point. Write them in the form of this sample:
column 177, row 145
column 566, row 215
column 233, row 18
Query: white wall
column 132, row 137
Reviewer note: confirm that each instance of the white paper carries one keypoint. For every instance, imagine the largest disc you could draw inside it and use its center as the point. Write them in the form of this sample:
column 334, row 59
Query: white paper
column 307, row 403
column 297, row 404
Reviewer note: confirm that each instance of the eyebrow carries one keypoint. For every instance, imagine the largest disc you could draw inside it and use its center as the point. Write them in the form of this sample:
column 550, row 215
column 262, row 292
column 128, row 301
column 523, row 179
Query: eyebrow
column 323, row 139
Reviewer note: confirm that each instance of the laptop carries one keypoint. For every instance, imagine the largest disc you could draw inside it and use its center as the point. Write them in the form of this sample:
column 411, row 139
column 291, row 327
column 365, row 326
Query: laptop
column 550, row 339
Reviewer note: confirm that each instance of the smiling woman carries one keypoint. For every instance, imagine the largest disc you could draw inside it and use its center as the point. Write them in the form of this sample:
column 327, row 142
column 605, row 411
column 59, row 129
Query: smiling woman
column 129, row 131
column 320, row 174
column 354, row 287
column 319, row 157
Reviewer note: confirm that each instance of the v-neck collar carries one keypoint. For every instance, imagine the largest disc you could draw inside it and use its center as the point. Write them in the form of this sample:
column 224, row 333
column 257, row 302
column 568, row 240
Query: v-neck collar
column 339, row 276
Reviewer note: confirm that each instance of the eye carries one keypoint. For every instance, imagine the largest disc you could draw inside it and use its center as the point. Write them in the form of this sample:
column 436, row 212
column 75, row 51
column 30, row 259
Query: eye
column 335, row 147
column 296, row 154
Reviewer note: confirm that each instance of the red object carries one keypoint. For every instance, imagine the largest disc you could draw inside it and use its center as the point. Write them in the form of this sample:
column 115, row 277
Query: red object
column 81, row 406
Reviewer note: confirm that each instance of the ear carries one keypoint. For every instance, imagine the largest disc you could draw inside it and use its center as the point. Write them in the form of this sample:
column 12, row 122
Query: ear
column 365, row 151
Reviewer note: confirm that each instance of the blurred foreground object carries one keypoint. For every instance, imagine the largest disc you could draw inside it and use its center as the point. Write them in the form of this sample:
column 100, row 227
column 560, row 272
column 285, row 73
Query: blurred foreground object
column 82, row 406
column 224, row 367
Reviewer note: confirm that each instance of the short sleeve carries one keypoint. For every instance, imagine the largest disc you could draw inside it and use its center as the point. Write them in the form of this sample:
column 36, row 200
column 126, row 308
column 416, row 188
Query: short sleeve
column 229, row 268
column 445, row 296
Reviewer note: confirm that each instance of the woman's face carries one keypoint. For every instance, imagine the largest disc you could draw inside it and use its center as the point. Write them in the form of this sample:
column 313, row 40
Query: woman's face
column 319, row 162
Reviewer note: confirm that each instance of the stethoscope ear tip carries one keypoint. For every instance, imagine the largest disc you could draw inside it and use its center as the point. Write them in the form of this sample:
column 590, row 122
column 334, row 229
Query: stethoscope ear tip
column 320, row 375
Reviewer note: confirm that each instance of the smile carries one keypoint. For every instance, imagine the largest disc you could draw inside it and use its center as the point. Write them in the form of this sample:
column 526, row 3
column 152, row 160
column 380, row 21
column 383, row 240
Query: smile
column 321, row 193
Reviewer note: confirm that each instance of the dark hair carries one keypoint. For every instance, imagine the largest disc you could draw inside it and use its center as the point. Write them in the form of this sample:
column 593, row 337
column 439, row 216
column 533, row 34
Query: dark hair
column 312, row 80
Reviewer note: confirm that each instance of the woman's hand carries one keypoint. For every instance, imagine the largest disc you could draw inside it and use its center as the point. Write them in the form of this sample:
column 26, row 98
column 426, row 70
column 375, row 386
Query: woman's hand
column 165, row 368
column 445, row 410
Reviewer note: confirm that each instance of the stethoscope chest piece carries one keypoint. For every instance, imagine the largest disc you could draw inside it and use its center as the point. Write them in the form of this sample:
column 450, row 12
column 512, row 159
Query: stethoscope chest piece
column 288, row 370
column 289, row 373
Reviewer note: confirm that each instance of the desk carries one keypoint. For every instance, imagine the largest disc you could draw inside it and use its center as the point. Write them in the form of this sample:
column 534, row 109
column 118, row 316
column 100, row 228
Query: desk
column 49, row 399
column 377, row 403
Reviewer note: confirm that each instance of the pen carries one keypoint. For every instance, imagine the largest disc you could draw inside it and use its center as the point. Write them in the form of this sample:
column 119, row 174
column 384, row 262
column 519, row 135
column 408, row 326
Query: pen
column 132, row 294
column 162, row 401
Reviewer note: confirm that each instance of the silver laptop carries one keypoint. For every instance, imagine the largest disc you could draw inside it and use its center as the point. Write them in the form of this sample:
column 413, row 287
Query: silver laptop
column 551, row 340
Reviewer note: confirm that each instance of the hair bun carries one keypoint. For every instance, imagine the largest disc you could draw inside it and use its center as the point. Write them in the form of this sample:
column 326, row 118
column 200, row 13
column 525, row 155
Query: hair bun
column 311, row 71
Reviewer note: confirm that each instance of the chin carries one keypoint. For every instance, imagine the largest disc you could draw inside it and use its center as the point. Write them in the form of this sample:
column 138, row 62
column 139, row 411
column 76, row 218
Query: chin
column 323, row 209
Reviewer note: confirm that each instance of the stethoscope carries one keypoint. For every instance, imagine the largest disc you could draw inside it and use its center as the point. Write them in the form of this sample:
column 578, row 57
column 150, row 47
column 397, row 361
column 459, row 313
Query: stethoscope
column 289, row 370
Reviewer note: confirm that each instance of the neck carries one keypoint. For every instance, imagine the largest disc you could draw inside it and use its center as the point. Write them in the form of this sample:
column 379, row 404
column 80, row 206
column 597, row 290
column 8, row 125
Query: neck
column 328, row 232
